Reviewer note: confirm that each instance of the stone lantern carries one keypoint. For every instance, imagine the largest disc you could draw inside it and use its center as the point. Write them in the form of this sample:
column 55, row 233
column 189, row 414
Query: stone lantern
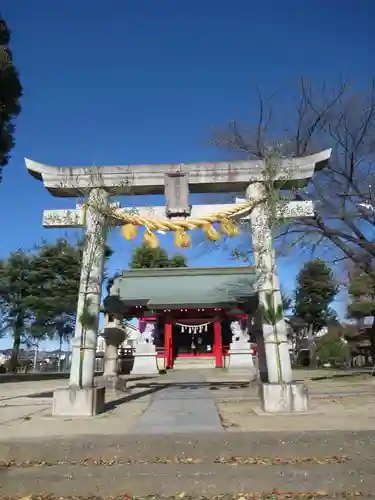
column 114, row 335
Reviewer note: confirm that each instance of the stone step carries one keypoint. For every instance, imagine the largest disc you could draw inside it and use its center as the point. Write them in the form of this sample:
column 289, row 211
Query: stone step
column 195, row 363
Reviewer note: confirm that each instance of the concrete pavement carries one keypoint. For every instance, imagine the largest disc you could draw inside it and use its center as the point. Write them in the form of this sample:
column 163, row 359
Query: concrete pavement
column 189, row 434
column 192, row 401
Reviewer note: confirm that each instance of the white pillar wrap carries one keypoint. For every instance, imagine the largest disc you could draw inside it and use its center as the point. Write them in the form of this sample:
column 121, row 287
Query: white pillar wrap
column 275, row 339
column 85, row 339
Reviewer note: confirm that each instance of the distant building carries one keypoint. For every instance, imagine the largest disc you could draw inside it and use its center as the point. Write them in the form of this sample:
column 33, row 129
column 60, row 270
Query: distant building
column 132, row 335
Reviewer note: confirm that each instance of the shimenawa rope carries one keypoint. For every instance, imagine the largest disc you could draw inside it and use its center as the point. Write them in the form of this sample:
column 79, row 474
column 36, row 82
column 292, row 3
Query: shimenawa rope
column 180, row 227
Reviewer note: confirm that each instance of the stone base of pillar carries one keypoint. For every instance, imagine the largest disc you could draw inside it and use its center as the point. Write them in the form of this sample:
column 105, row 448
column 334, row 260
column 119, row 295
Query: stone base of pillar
column 75, row 402
column 284, row 398
column 112, row 382
column 241, row 359
column 145, row 362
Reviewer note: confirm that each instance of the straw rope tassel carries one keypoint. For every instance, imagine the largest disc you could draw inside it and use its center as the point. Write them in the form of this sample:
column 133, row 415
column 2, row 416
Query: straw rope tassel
column 182, row 239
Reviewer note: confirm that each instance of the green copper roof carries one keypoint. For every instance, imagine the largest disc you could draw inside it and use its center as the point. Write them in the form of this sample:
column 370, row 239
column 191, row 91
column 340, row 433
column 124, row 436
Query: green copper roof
column 185, row 287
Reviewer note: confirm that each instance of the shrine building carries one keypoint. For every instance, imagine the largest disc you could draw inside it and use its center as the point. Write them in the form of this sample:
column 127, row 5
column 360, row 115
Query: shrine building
column 187, row 312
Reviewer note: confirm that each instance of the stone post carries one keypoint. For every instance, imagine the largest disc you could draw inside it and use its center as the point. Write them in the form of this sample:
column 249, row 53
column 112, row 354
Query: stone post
column 278, row 394
column 91, row 401
column 275, row 339
column 110, row 359
column 90, row 288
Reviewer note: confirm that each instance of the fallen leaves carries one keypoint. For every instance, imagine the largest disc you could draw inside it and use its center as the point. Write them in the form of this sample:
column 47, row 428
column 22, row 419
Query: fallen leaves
column 282, row 460
column 272, row 495
column 99, row 461
column 232, row 460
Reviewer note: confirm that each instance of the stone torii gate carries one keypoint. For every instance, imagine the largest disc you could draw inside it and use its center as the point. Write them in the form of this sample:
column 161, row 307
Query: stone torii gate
column 175, row 181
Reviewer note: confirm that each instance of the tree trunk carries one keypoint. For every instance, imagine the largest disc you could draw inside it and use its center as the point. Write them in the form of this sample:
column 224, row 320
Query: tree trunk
column 14, row 359
column 312, row 355
column 311, row 347
column 60, row 349
column 372, row 340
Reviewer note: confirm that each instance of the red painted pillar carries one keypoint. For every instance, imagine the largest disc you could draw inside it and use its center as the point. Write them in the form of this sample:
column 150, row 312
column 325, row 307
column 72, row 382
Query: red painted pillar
column 168, row 343
column 218, row 346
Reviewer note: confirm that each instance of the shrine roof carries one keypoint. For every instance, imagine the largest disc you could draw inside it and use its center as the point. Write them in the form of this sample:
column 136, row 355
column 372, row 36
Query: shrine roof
column 173, row 288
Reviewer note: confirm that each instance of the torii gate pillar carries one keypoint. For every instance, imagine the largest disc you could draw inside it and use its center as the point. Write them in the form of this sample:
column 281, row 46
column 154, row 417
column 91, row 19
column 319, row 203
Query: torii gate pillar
column 83, row 398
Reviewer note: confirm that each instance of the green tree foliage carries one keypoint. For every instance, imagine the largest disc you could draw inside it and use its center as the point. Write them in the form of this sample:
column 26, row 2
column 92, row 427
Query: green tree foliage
column 55, row 274
column 332, row 348
column 10, row 94
column 38, row 293
column 57, row 270
column 150, row 258
column 316, row 289
column 16, row 282
column 362, row 301
column 177, row 260
column 362, row 295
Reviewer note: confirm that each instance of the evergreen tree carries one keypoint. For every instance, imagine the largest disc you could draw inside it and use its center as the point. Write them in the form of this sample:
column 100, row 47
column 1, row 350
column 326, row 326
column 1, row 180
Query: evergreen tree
column 332, row 348
column 38, row 293
column 57, row 270
column 55, row 277
column 177, row 260
column 10, row 94
column 362, row 301
column 16, row 278
column 150, row 258
column 316, row 289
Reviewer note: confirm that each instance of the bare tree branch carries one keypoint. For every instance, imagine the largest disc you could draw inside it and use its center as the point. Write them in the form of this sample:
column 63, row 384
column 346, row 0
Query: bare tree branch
column 342, row 118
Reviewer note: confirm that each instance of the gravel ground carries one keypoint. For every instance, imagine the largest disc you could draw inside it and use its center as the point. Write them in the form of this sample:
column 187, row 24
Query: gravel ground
column 329, row 463
column 111, row 462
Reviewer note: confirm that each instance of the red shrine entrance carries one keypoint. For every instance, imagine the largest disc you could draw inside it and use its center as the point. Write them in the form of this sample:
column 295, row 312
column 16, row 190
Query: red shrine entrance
column 185, row 312
column 197, row 333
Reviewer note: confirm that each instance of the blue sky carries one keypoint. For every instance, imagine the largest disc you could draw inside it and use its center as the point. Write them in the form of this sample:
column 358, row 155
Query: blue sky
column 144, row 81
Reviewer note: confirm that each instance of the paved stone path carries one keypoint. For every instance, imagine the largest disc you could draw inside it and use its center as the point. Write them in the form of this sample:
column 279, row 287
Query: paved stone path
column 185, row 408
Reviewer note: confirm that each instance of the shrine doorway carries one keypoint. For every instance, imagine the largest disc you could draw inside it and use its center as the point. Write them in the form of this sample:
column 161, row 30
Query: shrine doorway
column 193, row 341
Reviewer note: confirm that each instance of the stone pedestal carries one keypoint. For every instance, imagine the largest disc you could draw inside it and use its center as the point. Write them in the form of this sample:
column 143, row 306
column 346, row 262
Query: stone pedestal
column 145, row 362
column 240, row 359
column 75, row 402
column 112, row 382
column 284, row 398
